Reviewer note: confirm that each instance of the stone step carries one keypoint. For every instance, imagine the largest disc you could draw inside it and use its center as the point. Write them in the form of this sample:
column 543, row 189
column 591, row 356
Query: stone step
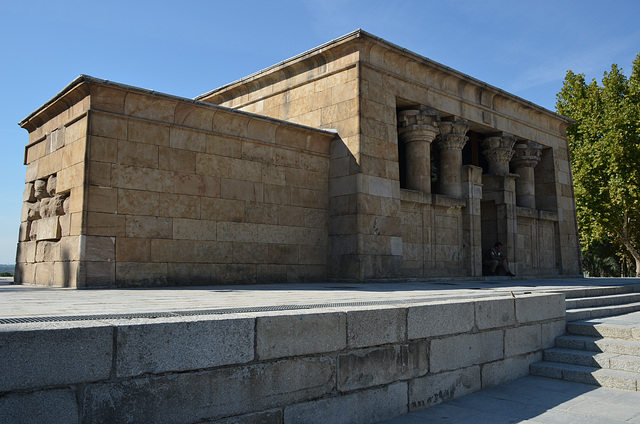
column 612, row 331
column 591, row 301
column 594, row 359
column 596, row 344
column 601, row 311
column 587, row 375
column 599, row 291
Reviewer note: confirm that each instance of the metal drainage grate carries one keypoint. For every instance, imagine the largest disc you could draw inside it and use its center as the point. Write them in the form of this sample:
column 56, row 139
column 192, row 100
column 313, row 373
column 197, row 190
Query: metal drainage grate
column 23, row 320
column 173, row 314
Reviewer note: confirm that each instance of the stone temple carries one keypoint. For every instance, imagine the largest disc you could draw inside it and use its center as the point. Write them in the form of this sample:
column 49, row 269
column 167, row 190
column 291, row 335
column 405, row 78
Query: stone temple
column 357, row 160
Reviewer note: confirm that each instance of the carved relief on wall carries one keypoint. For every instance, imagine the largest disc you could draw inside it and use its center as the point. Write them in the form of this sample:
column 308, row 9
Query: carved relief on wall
column 42, row 210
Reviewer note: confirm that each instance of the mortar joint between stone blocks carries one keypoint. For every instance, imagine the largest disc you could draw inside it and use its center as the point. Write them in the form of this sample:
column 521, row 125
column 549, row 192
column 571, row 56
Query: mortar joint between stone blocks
column 113, row 375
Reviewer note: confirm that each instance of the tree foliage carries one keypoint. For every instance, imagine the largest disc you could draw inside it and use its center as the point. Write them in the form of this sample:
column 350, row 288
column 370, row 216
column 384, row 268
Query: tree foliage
column 605, row 156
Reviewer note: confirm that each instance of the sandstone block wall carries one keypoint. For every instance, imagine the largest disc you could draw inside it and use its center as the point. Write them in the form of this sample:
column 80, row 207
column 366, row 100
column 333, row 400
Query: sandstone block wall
column 377, row 228
column 171, row 191
column 131, row 187
column 339, row 365
column 49, row 240
column 328, row 94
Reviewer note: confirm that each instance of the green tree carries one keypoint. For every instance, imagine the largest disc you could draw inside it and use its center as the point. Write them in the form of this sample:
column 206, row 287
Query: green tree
column 605, row 156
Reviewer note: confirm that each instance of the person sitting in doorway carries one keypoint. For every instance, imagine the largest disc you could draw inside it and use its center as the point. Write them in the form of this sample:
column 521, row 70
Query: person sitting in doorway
column 497, row 263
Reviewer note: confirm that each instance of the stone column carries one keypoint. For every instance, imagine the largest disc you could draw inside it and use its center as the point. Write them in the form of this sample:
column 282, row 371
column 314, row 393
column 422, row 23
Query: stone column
column 417, row 129
column 527, row 156
column 452, row 140
column 499, row 151
column 498, row 187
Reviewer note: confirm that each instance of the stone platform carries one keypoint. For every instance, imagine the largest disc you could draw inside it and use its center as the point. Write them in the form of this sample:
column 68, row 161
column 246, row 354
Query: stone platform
column 277, row 353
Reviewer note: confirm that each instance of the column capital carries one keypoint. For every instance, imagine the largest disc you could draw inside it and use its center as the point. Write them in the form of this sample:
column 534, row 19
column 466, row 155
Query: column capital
column 498, row 152
column 527, row 154
column 418, row 124
column 453, row 134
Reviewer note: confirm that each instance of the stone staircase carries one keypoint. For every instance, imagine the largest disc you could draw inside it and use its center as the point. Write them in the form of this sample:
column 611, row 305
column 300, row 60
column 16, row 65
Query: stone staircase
column 603, row 354
column 597, row 302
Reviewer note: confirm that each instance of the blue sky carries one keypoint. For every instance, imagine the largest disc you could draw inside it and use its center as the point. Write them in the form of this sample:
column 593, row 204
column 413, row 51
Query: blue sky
column 187, row 48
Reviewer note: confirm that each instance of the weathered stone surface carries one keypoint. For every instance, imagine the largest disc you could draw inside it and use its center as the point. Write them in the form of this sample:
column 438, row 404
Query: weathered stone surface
column 133, row 249
column 508, row 369
column 98, row 248
column 35, row 152
column 26, row 252
column 23, row 233
column 70, row 178
column 49, row 229
column 145, row 179
column 368, row 406
column 198, row 396
column 140, row 274
column 493, row 313
column 99, row 274
column 44, row 208
column 30, row 211
column 54, row 344
column 47, row 251
column 437, row 388
column 149, row 227
column 148, row 132
column 56, row 205
column 51, row 185
column 300, row 334
column 182, row 344
column 149, row 107
column 29, row 194
column 177, row 160
column 197, row 185
column 48, row 406
column 539, row 307
column 104, row 224
column 375, row 367
column 102, row 124
column 523, row 339
column 464, row 350
column 65, row 274
column 438, row 319
column 550, row 331
column 194, row 229
column 376, row 327
column 186, row 139
column 40, row 189
column 190, row 115
column 137, row 154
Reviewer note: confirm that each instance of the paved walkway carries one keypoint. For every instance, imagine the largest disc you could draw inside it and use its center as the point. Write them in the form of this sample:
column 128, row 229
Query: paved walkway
column 534, row 400
column 32, row 301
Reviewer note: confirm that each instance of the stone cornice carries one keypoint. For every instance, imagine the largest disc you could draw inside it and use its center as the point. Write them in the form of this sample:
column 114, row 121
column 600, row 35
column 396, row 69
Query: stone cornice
column 80, row 87
column 310, row 59
column 494, row 91
column 74, row 92
column 362, row 42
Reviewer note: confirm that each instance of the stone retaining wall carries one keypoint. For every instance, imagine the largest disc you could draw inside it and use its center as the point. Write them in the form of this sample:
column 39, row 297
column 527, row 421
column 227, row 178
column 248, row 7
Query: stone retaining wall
column 359, row 365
